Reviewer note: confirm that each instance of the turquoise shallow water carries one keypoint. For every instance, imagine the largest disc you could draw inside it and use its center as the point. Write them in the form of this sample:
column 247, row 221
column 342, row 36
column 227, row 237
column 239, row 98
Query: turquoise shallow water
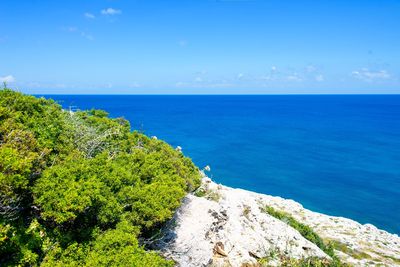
column 338, row 155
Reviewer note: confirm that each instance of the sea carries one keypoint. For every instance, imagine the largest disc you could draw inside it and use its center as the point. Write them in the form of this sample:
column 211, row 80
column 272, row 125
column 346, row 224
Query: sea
column 335, row 154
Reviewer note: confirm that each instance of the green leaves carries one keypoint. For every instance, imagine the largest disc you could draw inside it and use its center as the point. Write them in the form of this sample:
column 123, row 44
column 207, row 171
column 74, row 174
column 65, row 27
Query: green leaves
column 152, row 204
column 78, row 189
column 310, row 235
column 119, row 247
column 66, row 190
column 115, row 247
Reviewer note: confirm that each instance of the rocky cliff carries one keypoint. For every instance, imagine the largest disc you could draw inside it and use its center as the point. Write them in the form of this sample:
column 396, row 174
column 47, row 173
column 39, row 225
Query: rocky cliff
column 222, row 226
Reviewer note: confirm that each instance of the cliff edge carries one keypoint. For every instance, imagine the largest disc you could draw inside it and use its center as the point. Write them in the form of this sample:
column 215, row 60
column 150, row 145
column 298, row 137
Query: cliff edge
column 223, row 226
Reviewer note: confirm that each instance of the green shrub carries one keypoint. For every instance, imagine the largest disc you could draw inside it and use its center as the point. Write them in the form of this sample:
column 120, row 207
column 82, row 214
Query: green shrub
column 308, row 234
column 81, row 188
column 115, row 247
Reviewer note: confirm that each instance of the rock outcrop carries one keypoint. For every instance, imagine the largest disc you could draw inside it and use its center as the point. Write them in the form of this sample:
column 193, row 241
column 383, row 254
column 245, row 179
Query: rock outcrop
column 222, row 226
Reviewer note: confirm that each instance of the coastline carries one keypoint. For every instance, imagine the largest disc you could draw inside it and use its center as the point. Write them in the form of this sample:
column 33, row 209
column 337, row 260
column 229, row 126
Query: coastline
column 234, row 218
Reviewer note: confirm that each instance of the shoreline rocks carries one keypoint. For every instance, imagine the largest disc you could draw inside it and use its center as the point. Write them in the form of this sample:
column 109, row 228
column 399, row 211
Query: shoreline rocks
column 223, row 226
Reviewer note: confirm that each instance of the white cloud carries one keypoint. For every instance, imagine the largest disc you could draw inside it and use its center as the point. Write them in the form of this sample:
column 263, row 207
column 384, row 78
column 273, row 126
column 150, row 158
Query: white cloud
column 240, row 76
column 182, row 43
column 34, row 85
column 319, row 78
column 80, row 32
column 294, row 78
column 111, row 11
column 7, row 79
column 72, row 29
column 87, row 36
column 60, row 85
column 369, row 76
column 202, row 72
column 134, row 85
column 89, row 15
column 307, row 74
column 200, row 83
column 311, row 68
column 266, row 78
column 41, row 84
column 272, row 75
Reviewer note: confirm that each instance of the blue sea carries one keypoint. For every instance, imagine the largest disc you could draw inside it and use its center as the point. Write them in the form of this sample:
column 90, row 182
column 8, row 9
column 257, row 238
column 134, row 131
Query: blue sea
column 335, row 154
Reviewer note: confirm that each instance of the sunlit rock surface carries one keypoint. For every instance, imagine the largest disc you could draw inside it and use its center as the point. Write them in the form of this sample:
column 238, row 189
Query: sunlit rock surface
column 223, row 226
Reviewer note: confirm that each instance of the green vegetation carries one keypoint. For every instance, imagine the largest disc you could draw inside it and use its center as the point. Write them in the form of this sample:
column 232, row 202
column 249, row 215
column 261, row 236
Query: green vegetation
column 79, row 189
column 351, row 252
column 310, row 235
column 207, row 193
column 285, row 261
column 303, row 229
column 395, row 260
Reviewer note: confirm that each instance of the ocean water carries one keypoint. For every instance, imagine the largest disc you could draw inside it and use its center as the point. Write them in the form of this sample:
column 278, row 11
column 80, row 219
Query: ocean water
column 336, row 154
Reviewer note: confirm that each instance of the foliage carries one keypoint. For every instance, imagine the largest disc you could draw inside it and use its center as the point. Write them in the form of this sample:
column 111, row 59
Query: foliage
column 286, row 261
column 81, row 188
column 116, row 247
column 356, row 254
column 207, row 193
column 310, row 262
column 308, row 234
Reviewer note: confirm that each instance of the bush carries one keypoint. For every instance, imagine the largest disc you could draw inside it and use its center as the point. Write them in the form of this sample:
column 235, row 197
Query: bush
column 81, row 188
column 311, row 236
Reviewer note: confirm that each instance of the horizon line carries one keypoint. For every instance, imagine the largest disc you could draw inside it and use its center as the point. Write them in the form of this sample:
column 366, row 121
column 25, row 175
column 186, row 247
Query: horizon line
column 229, row 94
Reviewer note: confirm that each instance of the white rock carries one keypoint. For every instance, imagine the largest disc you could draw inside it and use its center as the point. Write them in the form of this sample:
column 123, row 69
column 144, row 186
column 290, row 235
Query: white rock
column 234, row 220
column 206, row 180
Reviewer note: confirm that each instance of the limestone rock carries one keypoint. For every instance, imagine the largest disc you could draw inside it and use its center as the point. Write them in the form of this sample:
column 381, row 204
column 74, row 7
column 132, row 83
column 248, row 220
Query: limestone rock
column 227, row 227
column 230, row 231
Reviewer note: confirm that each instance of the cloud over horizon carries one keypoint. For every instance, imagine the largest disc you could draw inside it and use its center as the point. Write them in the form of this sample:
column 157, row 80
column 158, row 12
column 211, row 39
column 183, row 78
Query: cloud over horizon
column 89, row 15
column 367, row 75
column 200, row 44
column 111, row 11
column 7, row 79
column 76, row 30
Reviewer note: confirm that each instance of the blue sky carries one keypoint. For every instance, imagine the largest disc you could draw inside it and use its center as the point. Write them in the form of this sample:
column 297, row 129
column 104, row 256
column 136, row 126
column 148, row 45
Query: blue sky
column 200, row 46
